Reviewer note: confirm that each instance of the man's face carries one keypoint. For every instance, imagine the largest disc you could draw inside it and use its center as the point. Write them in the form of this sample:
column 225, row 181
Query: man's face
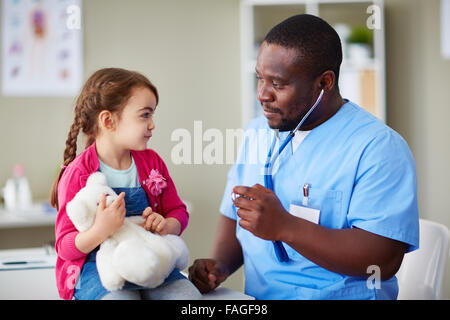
column 284, row 89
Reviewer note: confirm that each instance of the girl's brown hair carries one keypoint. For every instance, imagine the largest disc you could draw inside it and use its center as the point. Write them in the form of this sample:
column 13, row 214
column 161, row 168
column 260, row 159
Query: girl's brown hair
column 107, row 89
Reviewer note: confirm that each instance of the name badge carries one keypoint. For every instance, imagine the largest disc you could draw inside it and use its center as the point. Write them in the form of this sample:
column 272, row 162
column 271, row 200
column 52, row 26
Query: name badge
column 310, row 214
column 303, row 211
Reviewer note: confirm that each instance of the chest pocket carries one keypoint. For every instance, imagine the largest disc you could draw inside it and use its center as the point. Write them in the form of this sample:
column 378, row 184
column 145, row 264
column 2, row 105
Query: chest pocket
column 329, row 202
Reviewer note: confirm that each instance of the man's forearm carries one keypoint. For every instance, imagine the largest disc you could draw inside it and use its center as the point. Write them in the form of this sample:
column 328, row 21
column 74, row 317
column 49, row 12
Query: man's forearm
column 344, row 251
column 226, row 248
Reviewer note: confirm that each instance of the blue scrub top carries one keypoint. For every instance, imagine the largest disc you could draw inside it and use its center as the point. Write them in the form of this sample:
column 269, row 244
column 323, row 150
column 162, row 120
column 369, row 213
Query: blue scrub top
column 361, row 174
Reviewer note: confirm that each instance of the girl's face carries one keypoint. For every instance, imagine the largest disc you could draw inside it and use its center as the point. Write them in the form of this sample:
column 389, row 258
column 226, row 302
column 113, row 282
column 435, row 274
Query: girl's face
column 135, row 125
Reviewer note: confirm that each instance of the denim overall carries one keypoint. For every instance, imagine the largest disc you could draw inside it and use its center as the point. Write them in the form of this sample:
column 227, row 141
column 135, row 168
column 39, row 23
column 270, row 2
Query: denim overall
column 89, row 286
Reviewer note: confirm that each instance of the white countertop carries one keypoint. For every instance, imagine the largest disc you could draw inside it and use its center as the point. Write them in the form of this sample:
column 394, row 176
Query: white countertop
column 37, row 216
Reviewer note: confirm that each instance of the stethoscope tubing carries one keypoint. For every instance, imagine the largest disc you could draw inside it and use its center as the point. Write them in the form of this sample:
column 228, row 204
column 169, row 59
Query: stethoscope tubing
column 280, row 251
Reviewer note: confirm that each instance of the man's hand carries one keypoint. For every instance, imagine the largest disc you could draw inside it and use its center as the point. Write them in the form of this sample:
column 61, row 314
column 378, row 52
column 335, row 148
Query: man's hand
column 207, row 274
column 264, row 215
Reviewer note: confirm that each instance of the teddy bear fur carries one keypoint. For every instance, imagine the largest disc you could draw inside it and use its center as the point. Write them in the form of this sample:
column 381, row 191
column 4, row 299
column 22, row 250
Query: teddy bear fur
column 132, row 253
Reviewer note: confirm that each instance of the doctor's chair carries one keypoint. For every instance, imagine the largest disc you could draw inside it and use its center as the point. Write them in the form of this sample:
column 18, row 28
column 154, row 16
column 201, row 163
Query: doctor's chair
column 422, row 272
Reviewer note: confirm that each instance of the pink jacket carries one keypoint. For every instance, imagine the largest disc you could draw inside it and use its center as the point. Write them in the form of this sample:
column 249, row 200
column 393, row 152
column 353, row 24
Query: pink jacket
column 70, row 260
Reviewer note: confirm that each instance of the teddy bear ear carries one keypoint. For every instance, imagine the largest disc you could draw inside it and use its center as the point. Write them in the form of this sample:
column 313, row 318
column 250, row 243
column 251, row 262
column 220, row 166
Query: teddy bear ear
column 97, row 178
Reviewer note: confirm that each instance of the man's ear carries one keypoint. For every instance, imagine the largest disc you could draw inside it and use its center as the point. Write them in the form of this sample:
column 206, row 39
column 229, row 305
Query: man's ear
column 106, row 120
column 327, row 80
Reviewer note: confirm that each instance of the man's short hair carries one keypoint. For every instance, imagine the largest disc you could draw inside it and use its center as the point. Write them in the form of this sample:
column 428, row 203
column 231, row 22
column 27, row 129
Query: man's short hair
column 317, row 43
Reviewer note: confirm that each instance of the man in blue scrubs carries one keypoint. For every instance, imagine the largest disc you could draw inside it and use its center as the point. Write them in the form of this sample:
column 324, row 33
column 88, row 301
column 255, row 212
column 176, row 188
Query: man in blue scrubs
column 344, row 204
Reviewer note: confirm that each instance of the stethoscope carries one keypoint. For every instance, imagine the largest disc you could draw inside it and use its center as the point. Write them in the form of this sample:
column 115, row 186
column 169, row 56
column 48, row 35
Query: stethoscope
column 280, row 251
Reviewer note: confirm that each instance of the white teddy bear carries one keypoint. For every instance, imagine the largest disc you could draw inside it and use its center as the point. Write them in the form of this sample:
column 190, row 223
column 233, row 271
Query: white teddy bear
column 131, row 253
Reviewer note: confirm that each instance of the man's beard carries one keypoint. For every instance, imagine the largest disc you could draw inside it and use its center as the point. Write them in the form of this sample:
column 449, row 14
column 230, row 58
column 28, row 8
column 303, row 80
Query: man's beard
column 288, row 124
column 285, row 125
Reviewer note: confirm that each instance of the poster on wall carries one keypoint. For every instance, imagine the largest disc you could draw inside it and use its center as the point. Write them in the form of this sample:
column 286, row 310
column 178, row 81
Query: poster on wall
column 41, row 47
column 445, row 28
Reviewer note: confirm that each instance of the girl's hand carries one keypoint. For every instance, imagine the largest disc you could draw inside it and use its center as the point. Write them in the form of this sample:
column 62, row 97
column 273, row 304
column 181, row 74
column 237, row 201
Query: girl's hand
column 156, row 223
column 109, row 219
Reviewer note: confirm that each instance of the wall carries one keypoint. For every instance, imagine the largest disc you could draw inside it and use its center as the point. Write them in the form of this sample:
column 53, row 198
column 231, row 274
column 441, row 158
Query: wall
column 418, row 100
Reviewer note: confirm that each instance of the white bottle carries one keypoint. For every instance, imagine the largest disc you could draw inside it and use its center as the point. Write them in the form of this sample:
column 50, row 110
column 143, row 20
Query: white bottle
column 17, row 192
column 23, row 194
column 10, row 195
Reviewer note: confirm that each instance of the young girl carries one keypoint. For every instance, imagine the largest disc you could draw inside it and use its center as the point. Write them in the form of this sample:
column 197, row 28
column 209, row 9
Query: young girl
column 114, row 111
